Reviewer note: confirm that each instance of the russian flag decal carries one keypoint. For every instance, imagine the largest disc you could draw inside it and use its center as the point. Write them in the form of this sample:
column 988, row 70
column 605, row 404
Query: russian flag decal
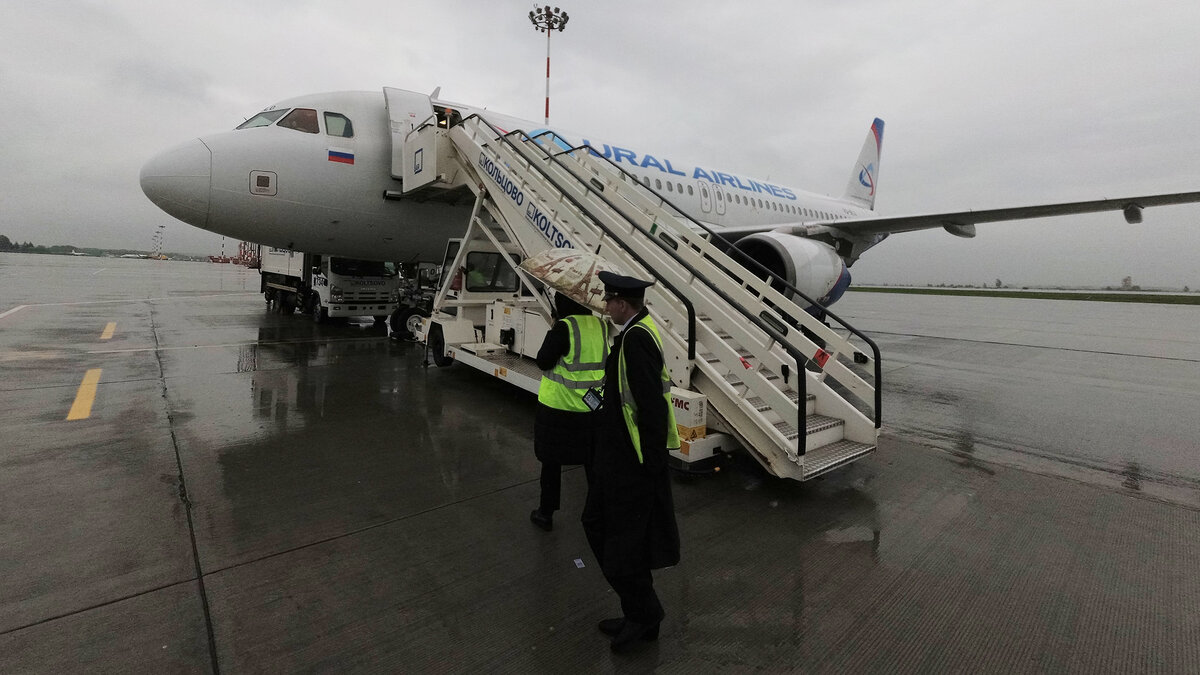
column 341, row 156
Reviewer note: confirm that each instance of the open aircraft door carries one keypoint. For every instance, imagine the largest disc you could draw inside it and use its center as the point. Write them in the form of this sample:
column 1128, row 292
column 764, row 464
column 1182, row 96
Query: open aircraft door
column 414, row 155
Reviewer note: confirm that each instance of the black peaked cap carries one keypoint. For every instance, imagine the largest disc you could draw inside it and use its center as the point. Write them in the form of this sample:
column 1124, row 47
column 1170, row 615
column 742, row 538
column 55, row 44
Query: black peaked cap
column 621, row 286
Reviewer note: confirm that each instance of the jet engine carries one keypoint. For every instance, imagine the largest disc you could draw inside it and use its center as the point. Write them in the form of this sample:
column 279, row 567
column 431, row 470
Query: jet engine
column 813, row 267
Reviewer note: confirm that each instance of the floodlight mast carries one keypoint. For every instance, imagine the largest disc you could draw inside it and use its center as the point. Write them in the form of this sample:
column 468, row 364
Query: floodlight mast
column 548, row 20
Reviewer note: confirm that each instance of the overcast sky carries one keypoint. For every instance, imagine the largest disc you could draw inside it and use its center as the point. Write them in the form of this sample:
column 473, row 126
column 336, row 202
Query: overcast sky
column 987, row 104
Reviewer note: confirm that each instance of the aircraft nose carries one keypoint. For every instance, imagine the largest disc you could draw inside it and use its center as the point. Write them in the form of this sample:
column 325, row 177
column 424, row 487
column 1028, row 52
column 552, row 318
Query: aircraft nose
column 178, row 181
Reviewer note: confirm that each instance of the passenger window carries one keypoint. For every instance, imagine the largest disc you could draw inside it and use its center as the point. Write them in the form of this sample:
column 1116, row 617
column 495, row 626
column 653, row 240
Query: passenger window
column 262, row 119
column 689, row 190
column 338, row 125
column 301, row 119
column 657, row 184
column 670, row 187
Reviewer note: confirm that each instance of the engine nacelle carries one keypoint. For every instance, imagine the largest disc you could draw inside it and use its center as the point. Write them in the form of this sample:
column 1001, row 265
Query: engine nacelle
column 809, row 265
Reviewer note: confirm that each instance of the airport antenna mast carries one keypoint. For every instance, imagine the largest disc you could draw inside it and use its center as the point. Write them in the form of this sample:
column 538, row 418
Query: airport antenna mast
column 547, row 21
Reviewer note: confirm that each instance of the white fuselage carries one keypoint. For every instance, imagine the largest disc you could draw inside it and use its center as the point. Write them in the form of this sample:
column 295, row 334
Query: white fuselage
column 338, row 208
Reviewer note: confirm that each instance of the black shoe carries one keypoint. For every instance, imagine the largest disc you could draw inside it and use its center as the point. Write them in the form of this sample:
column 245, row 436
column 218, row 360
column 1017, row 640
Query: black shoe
column 544, row 521
column 614, row 626
column 632, row 633
column 611, row 626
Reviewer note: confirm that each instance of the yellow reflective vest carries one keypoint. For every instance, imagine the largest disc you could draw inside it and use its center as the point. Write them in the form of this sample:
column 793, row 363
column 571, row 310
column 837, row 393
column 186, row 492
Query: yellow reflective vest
column 580, row 369
column 629, row 407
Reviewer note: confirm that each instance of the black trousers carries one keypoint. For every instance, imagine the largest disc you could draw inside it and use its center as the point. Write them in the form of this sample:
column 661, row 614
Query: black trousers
column 639, row 602
column 551, row 482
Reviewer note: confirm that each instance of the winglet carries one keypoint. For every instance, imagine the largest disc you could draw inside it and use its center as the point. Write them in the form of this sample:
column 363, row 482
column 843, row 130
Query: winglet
column 865, row 177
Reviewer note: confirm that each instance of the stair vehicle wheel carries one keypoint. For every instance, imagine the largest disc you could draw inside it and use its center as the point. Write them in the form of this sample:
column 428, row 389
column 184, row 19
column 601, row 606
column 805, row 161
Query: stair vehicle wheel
column 437, row 348
column 406, row 321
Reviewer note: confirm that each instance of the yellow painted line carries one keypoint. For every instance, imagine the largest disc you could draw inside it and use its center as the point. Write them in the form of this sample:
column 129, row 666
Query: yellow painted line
column 82, row 408
column 109, row 330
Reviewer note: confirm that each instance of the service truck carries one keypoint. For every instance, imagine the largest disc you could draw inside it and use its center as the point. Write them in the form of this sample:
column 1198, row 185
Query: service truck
column 326, row 286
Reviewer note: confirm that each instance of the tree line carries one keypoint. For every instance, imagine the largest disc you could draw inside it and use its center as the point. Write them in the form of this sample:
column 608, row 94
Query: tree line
column 7, row 244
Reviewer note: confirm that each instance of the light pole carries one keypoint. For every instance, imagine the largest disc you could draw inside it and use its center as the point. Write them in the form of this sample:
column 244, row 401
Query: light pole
column 548, row 21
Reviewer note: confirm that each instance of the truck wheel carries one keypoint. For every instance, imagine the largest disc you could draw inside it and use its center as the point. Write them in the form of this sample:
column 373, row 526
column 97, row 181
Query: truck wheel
column 320, row 313
column 269, row 296
column 287, row 303
column 437, row 348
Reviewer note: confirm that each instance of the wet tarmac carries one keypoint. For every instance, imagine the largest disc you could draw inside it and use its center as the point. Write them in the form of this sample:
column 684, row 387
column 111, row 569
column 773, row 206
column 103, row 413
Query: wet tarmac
column 253, row 492
column 1094, row 391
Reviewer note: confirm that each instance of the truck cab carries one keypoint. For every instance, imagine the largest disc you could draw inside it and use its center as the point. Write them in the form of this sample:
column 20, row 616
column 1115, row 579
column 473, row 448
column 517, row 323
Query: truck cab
column 342, row 287
column 328, row 286
column 483, row 309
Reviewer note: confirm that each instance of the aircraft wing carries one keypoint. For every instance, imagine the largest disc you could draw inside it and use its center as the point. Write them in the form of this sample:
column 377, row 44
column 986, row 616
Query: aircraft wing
column 963, row 223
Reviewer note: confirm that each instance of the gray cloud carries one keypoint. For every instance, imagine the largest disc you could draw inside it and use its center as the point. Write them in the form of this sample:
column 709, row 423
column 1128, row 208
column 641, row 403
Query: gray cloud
column 987, row 104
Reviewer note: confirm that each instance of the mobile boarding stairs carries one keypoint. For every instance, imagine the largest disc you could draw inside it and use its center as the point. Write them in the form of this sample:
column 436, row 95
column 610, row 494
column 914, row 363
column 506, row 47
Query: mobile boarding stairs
column 728, row 333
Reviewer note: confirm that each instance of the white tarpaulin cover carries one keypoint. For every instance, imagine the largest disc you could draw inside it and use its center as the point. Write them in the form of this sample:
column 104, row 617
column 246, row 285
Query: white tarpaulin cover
column 571, row 272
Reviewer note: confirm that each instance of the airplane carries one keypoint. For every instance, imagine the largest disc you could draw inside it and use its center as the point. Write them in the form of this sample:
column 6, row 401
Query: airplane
column 315, row 173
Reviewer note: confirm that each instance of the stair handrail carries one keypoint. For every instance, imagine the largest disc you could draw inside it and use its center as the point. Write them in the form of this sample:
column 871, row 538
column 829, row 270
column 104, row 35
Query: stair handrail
column 739, row 256
column 798, row 356
column 691, row 310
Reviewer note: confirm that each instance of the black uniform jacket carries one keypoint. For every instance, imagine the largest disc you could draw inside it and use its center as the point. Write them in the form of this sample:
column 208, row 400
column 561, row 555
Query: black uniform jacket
column 630, row 520
column 561, row 436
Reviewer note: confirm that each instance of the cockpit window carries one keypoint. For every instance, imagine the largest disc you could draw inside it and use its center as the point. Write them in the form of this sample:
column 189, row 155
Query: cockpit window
column 262, row 119
column 338, row 125
column 301, row 119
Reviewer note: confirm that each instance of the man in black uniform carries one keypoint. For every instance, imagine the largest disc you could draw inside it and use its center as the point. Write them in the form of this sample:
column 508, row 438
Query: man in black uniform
column 629, row 518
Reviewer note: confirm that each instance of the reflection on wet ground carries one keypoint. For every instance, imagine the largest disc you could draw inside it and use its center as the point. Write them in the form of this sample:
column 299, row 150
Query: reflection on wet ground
column 1050, row 401
column 257, row 492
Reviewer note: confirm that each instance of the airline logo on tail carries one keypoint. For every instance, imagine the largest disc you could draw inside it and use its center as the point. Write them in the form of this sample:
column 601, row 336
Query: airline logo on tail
column 867, row 179
column 864, row 177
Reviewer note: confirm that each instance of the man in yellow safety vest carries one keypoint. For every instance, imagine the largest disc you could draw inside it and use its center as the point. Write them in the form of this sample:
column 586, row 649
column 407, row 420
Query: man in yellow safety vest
column 572, row 362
